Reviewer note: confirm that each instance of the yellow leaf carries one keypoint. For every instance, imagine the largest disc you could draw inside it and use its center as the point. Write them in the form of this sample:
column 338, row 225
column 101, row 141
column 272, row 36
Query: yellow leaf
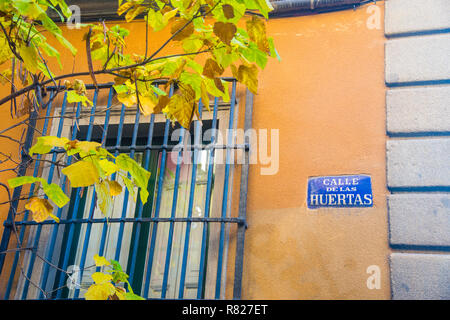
column 204, row 95
column 29, row 56
column 82, row 147
column 216, row 92
column 114, row 188
column 225, row 31
column 100, row 291
column 170, row 14
column 211, row 69
column 81, row 174
column 5, row 74
column 120, row 293
column 41, row 209
column 131, row 187
column 5, row 51
column 104, row 200
column 124, row 7
column 147, row 104
column 134, row 12
column 162, row 102
column 87, row 146
column 101, row 261
column 127, row 99
column 101, row 278
column 177, row 72
column 228, row 11
column 256, row 29
column 248, row 75
column 186, row 32
column 219, row 84
column 181, row 109
column 108, row 167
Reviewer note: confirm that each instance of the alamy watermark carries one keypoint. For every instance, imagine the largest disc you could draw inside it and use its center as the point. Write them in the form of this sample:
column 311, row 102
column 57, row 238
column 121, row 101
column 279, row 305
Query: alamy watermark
column 374, row 20
column 374, row 281
column 229, row 147
column 74, row 279
column 74, row 21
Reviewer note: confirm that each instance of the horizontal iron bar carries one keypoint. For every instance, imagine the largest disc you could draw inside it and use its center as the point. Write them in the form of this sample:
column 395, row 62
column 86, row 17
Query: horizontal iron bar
column 239, row 221
column 110, row 84
column 245, row 147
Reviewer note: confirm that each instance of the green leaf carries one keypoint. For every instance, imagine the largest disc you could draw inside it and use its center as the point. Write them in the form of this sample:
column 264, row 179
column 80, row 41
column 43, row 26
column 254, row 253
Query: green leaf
column 45, row 144
column 55, row 193
column 225, row 57
column 116, row 265
column 158, row 91
column 130, row 186
column 73, row 96
column 19, row 181
column 122, row 88
column 56, row 32
column 139, row 174
column 273, row 51
column 253, row 54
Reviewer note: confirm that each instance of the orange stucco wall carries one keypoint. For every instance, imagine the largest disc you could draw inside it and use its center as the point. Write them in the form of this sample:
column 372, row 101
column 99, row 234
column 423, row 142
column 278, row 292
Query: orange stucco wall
column 326, row 98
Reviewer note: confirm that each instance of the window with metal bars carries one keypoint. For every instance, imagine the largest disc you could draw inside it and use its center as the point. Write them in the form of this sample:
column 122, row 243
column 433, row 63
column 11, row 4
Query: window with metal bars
column 174, row 246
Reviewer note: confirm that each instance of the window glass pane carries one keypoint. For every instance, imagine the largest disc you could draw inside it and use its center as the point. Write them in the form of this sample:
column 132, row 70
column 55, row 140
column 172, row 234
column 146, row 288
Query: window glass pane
column 192, row 268
column 123, row 206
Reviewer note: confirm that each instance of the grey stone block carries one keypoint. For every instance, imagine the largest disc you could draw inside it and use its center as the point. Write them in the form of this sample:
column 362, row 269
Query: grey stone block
column 420, row 276
column 419, row 219
column 418, row 110
column 418, row 59
column 418, row 162
column 410, row 16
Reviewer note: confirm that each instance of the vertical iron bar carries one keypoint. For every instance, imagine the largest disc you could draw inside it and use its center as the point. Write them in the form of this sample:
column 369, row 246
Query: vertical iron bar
column 197, row 135
column 202, row 274
column 92, row 208
column 157, row 208
column 141, row 206
column 240, row 238
column 25, row 217
column 125, row 200
column 225, row 193
column 39, row 227
column 118, row 141
column 58, row 214
column 76, row 205
column 172, row 215
column 157, row 205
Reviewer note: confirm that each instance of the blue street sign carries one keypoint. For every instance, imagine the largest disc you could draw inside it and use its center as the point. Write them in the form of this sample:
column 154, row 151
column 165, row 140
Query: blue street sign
column 340, row 192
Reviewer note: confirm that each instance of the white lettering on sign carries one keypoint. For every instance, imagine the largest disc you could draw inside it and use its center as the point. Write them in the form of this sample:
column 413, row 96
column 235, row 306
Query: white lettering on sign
column 340, row 191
